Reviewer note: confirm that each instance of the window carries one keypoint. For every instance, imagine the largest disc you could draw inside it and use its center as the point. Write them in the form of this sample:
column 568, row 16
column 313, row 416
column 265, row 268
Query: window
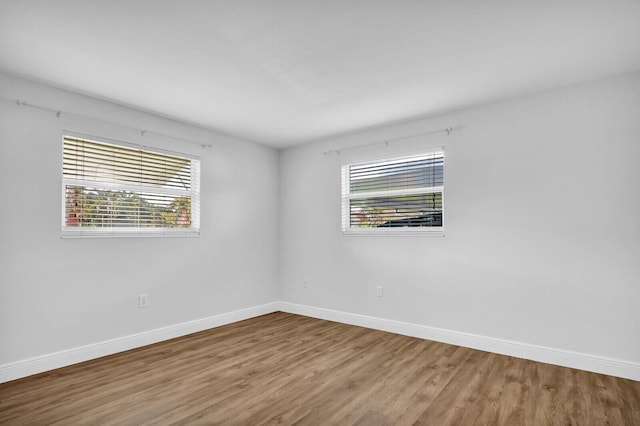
column 118, row 189
column 394, row 196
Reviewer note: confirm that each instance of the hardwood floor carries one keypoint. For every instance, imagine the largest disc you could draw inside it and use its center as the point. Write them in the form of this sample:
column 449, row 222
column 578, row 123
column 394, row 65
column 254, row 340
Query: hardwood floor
column 288, row 369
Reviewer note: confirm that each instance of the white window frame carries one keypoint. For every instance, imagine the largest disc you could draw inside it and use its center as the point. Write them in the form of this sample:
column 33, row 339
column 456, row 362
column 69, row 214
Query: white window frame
column 347, row 230
column 107, row 232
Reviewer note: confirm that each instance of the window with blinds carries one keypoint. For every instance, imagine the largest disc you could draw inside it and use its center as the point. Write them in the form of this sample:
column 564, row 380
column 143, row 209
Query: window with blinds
column 120, row 190
column 394, row 196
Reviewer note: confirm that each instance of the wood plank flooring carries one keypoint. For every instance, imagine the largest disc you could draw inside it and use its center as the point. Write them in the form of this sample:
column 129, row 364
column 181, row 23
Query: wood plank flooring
column 289, row 369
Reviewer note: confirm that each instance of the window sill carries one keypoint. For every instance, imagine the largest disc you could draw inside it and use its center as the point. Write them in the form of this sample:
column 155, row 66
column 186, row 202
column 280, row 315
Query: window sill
column 129, row 233
column 397, row 232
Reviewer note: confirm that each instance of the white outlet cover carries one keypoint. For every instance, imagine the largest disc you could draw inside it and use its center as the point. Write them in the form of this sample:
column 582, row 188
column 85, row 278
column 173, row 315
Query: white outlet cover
column 143, row 301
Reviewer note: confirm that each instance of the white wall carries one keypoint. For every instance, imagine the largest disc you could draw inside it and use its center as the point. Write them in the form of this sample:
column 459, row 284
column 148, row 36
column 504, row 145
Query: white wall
column 542, row 213
column 58, row 294
column 542, row 240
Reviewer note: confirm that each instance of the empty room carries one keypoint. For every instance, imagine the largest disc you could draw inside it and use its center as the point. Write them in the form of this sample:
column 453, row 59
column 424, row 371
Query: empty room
column 245, row 212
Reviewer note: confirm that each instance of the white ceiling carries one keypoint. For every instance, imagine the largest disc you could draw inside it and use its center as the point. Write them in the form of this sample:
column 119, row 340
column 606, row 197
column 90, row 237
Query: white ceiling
column 286, row 72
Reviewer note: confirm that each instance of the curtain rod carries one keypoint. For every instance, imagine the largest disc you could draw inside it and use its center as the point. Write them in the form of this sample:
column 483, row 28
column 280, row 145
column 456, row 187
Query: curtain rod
column 142, row 132
column 447, row 130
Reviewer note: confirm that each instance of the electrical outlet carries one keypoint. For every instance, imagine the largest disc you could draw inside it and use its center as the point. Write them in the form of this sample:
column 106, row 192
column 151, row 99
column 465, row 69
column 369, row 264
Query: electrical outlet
column 143, row 301
column 379, row 291
column 305, row 284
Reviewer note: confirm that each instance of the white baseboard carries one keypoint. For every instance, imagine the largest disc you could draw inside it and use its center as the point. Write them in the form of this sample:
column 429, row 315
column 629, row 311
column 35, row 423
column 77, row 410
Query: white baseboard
column 581, row 361
column 64, row 358
column 597, row 364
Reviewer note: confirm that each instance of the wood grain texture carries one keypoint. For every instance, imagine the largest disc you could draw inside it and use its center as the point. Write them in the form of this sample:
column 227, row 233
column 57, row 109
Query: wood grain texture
column 289, row 369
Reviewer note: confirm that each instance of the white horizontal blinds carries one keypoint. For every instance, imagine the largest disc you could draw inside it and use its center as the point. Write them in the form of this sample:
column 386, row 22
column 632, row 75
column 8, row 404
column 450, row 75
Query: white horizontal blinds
column 401, row 192
column 397, row 174
column 119, row 187
column 88, row 160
